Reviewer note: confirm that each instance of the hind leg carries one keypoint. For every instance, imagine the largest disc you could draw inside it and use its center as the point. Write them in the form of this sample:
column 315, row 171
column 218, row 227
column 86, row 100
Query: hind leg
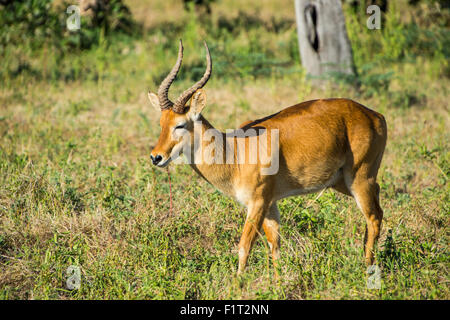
column 366, row 194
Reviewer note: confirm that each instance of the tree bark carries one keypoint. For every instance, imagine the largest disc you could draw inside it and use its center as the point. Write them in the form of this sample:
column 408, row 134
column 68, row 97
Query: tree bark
column 322, row 36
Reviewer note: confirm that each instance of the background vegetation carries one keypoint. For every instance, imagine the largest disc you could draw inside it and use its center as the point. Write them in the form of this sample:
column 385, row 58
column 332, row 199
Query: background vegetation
column 76, row 130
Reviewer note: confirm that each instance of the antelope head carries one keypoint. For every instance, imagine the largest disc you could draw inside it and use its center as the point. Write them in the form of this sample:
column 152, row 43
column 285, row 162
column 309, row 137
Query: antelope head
column 177, row 119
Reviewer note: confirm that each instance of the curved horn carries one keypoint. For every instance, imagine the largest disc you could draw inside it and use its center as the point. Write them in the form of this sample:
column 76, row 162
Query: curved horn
column 178, row 107
column 163, row 91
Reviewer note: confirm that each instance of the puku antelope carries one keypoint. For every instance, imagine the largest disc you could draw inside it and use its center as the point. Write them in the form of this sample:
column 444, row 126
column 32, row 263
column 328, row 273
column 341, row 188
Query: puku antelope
column 326, row 143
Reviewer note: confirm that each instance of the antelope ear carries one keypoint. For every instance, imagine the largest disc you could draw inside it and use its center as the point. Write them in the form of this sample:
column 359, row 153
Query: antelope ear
column 198, row 102
column 154, row 100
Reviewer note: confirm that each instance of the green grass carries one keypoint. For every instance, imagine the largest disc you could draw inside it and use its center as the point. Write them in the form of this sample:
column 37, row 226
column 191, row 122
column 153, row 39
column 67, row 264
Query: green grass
column 77, row 186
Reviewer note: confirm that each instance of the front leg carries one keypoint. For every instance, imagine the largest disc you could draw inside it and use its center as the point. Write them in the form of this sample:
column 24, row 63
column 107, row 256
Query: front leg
column 255, row 218
column 271, row 226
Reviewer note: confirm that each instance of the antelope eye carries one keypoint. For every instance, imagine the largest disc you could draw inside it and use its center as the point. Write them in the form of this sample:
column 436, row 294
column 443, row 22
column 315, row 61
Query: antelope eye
column 181, row 126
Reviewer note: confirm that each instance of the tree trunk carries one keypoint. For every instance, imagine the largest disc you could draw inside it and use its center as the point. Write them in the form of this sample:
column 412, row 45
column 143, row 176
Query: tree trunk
column 322, row 36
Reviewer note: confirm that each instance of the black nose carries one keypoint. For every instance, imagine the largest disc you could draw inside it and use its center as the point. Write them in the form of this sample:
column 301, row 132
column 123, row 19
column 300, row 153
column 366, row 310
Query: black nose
column 156, row 159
